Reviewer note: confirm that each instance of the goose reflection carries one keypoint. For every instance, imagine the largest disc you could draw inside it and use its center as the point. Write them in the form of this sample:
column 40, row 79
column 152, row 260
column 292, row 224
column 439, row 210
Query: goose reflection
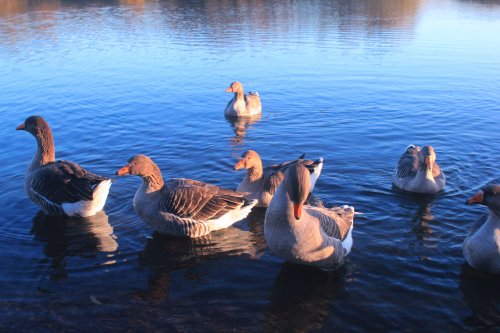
column 301, row 298
column 240, row 125
column 164, row 254
column 73, row 236
column 481, row 293
column 422, row 220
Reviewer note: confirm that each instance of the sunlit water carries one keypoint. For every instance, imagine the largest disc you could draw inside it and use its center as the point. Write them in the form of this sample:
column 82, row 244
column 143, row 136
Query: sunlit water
column 352, row 81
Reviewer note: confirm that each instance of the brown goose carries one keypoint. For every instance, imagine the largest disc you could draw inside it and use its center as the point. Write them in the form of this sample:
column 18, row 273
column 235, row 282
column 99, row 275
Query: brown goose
column 303, row 234
column 60, row 187
column 183, row 207
column 242, row 105
column 481, row 248
column 261, row 183
column 417, row 171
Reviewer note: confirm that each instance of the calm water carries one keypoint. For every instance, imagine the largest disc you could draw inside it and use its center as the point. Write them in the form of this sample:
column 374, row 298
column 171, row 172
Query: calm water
column 352, row 81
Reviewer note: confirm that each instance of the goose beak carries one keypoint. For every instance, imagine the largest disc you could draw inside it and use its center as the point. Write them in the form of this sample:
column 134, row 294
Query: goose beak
column 476, row 199
column 21, row 127
column 239, row 165
column 428, row 162
column 123, row 171
column 229, row 89
column 297, row 211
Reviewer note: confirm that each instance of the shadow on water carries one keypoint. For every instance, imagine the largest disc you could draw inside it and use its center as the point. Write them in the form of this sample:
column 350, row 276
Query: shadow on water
column 481, row 292
column 301, row 298
column 73, row 236
column 165, row 254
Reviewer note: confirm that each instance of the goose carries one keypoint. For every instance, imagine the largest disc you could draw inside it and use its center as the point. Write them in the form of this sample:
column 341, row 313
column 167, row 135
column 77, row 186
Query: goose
column 183, row 207
column 417, row 171
column 242, row 105
column 481, row 247
column 303, row 234
column 261, row 183
column 60, row 187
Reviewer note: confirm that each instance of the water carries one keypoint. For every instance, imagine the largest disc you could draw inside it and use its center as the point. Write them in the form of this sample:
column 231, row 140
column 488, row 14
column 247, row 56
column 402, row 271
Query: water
column 352, row 81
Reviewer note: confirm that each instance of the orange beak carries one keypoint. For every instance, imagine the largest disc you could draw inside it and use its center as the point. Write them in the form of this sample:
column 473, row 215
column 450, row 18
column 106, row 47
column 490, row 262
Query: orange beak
column 229, row 89
column 476, row 199
column 239, row 165
column 21, row 127
column 297, row 211
column 123, row 171
column 428, row 162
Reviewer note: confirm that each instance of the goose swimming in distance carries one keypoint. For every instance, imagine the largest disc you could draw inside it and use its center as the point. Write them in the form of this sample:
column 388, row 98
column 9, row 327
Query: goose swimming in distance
column 303, row 234
column 242, row 105
column 481, row 247
column 417, row 171
column 261, row 183
column 183, row 207
column 60, row 187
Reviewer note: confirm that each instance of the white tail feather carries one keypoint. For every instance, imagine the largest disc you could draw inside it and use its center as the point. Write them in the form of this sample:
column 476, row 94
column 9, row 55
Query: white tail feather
column 316, row 173
column 86, row 208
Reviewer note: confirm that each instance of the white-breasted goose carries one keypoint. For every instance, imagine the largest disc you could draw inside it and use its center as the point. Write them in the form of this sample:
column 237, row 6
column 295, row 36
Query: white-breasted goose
column 481, row 247
column 242, row 105
column 417, row 171
column 60, row 187
column 183, row 207
column 303, row 234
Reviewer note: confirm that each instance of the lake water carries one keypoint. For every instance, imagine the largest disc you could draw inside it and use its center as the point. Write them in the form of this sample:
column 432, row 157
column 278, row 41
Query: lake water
column 352, row 81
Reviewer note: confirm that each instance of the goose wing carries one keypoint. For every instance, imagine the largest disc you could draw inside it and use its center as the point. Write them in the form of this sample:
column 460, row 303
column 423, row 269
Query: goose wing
column 273, row 175
column 199, row 201
column 335, row 222
column 408, row 163
column 65, row 182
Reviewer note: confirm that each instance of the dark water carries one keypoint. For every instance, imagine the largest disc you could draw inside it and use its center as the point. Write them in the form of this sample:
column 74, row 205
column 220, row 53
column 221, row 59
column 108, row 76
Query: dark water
column 352, row 81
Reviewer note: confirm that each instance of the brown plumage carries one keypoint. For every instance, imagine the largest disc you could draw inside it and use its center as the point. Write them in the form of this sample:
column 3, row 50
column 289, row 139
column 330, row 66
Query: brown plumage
column 242, row 105
column 183, row 207
column 60, row 187
column 304, row 234
column 417, row 171
column 261, row 183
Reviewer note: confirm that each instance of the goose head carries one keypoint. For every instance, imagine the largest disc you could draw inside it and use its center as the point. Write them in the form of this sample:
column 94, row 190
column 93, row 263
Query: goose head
column 235, row 87
column 412, row 149
column 35, row 125
column 297, row 182
column 248, row 160
column 426, row 157
column 488, row 196
column 139, row 165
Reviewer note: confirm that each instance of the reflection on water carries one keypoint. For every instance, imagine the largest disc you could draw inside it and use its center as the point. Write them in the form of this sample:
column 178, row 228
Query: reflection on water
column 73, row 236
column 302, row 298
column 422, row 220
column 347, row 80
column 240, row 125
column 168, row 251
column 164, row 254
column 215, row 19
column 481, row 292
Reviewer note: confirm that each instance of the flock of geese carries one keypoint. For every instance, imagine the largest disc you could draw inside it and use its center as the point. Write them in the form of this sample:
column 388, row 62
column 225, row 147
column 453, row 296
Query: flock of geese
column 294, row 230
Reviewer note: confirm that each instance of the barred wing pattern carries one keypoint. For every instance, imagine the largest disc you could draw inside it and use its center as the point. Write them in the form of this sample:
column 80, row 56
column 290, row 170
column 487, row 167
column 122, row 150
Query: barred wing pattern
column 198, row 201
column 64, row 182
column 408, row 163
column 335, row 222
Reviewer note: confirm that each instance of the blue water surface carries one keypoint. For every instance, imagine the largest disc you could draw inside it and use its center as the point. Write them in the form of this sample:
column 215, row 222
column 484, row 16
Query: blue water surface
column 352, row 81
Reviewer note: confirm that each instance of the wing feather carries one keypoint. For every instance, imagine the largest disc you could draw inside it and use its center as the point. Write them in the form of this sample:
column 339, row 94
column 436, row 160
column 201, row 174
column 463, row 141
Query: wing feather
column 199, row 201
column 408, row 163
column 65, row 182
